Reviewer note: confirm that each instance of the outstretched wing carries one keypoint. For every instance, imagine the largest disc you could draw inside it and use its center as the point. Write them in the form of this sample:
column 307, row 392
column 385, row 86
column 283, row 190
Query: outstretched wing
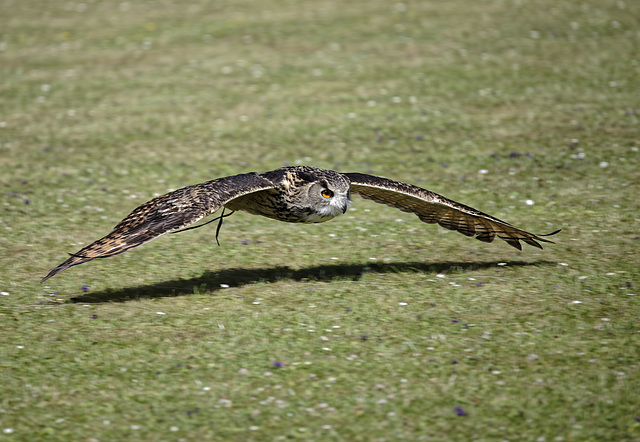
column 436, row 209
column 172, row 211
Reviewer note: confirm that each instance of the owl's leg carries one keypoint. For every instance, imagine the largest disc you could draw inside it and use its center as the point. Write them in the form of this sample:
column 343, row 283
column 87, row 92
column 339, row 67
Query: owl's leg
column 222, row 215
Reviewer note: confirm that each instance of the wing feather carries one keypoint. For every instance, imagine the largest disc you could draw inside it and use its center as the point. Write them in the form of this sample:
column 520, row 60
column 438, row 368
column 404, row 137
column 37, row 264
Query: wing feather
column 172, row 211
column 432, row 208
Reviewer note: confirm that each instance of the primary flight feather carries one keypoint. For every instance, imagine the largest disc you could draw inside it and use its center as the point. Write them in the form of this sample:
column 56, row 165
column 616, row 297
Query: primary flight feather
column 298, row 194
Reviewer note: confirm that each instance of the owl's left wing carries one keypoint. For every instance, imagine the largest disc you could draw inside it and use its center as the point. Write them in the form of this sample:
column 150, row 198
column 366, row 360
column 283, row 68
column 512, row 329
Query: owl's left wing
column 433, row 208
column 172, row 211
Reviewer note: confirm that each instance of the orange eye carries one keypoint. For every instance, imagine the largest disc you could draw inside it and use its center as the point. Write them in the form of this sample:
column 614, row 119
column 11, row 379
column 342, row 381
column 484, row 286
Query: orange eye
column 326, row 193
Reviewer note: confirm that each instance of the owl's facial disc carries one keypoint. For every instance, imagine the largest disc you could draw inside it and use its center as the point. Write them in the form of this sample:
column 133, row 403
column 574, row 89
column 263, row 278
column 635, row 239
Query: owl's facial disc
column 337, row 200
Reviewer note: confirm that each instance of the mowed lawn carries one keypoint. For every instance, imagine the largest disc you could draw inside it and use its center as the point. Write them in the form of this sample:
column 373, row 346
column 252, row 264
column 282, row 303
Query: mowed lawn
column 370, row 327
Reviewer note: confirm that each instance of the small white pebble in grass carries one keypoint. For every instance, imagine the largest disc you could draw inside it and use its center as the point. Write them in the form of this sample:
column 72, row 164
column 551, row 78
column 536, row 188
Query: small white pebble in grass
column 334, row 258
column 532, row 357
column 605, row 319
column 243, row 371
column 611, row 273
column 604, row 164
column 373, row 259
column 441, row 275
column 254, row 428
column 471, row 279
column 324, row 338
column 564, row 264
column 224, row 286
column 20, row 346
column 496, row 372
column 4, row 293
column 502, row 264
column 206, row 388
column 336, row 326
column 135, row 427
column 312, row 306
column 327, row 427
column 576, row 302
column 483, row 171
column 326, row 348
column 582, row 277
column 174, row 428
column 631, row 294
column 402, row 303
column 529, row 202
column 256, row 302
column 160, row 313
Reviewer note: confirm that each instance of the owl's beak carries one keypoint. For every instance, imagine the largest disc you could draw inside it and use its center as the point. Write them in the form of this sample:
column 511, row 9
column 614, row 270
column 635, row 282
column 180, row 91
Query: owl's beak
column 345, row 206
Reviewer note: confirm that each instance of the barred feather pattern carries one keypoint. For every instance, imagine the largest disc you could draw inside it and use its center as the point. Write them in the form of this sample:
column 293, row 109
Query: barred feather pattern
column 433, row 208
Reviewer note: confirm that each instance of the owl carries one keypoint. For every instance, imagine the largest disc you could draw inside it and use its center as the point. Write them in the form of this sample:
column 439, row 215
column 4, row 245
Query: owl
column 298, row 194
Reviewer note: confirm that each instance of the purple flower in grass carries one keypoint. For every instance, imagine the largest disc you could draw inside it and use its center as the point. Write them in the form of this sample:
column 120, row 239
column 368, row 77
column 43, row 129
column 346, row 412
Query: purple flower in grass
column 460, row 411
column 278, row 364
column 85, row 288
column 94, row 316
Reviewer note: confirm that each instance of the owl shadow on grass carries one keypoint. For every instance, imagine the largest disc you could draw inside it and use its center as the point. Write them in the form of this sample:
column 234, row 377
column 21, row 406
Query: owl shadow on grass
column 211, row 281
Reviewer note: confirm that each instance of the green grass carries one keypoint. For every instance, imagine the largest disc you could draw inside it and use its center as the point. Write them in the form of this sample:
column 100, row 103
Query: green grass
column 381, row 325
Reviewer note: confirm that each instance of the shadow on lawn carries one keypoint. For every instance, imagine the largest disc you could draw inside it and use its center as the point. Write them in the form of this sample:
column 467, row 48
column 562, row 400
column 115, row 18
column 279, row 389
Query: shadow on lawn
column 210, row 281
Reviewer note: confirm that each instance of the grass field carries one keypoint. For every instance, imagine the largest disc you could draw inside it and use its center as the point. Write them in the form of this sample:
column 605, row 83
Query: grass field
column 373, row 326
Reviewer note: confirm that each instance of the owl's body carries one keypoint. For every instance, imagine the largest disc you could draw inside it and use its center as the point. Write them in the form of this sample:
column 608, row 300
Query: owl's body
column 299, row 194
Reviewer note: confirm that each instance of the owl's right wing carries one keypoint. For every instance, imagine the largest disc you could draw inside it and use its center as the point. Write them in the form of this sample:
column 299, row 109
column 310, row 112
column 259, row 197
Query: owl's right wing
column 172, row 211
column 433, row 208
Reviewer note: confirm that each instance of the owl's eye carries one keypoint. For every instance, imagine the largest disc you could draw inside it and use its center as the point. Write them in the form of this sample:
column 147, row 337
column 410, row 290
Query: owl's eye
column 326, row 193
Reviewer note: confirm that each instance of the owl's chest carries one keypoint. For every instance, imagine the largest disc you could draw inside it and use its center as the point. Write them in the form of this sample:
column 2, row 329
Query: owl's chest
column 277, row 205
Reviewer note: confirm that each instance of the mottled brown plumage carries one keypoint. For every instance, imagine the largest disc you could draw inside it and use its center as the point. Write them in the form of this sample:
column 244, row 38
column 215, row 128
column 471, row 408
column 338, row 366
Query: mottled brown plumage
column 299, row 194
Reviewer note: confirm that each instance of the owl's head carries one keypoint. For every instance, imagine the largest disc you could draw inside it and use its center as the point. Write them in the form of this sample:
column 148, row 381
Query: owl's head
column 326, row 195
